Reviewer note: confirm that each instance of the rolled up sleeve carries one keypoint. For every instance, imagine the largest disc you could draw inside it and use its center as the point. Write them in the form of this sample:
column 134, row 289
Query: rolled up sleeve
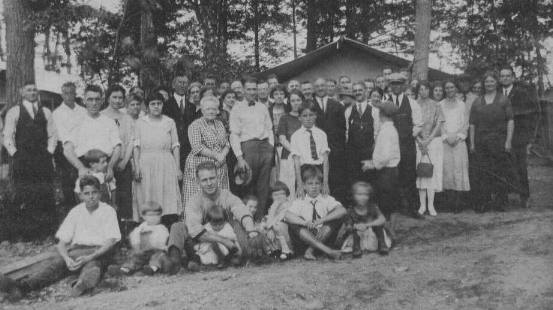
column 67, row 229
column 112, row 226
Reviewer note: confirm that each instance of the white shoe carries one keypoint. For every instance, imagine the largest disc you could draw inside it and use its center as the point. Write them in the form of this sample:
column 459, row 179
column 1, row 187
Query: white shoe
column 422, row 210
column 432, row 211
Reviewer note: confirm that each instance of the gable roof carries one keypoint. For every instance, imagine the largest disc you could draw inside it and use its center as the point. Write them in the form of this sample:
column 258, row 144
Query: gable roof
column 288, row 70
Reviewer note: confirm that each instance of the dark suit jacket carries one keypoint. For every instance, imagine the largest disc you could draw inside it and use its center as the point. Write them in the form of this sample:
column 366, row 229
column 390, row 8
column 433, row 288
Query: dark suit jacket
column 333, row 123
column 525, row 110
column 182, row 121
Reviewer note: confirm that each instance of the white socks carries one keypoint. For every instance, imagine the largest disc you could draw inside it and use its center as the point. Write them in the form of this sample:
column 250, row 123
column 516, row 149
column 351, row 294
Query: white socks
column 422, row 197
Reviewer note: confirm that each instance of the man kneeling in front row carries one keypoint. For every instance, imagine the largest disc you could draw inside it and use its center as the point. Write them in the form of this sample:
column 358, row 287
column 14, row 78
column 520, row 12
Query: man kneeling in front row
column 86, row 237
column 184, row 235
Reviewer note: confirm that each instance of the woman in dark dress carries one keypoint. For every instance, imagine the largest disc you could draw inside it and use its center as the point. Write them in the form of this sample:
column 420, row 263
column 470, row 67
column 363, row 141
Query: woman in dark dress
column 491, row 133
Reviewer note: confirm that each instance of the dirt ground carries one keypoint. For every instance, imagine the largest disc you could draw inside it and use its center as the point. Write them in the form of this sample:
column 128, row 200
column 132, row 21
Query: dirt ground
column 453, row 261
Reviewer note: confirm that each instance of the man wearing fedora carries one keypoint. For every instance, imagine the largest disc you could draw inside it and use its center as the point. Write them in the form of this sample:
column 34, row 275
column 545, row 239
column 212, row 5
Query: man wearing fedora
column 408, row 122
column 331, row 119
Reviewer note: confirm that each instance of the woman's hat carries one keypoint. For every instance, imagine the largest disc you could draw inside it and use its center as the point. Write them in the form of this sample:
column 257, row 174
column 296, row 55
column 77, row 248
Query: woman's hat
column 242, row 177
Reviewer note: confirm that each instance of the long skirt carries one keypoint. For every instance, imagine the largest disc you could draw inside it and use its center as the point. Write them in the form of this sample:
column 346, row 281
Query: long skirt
column 435, row 156
column 159, row 181
column 456, row 167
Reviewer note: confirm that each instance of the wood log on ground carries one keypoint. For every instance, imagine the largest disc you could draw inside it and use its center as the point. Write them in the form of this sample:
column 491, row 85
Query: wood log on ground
column 28, row 266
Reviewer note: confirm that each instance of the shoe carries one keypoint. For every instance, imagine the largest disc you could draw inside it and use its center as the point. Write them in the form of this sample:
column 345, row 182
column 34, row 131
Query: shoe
column 78, row 289
column 147, row 270
column 193, row 266
column 383, row 249
column 116, row 271
column 174, row 261
column 432, row 211
column 416, row 215
column 356, row 253
column 284, row 256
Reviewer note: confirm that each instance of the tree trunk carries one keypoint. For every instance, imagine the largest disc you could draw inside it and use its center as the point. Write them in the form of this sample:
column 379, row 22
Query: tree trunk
column 255, row 9
column 20, row 48
column 150, row 69
column 294, row 30
column 423, row 20
column 311, row 26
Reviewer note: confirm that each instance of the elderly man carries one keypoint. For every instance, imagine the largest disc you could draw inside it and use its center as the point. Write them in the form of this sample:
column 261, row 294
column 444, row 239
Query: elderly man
column 96, row 131
column 29, row 137
column 362, row 120
column 252, row 141
column 67, row 116
column 408, row 122
column 525, row 110
column 184, row 235
column 86, row 237
column 330, row 118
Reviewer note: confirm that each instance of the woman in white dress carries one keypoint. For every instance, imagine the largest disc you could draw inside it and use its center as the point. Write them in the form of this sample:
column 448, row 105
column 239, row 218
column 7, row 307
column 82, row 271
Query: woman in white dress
column 454, row 132
column 429, row 149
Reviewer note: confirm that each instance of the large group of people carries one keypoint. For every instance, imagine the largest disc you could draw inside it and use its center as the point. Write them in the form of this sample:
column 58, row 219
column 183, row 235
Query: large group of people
column 216, row 173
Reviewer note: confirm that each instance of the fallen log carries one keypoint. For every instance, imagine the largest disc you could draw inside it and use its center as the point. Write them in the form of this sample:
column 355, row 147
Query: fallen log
column 28, row 266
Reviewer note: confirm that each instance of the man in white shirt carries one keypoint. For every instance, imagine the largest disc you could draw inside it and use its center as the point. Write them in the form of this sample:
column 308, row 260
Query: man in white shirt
column 96, row 131
column 29, row 138
column 252, row 140
column 238, row 88
column 408, row 121
column 86, row 237
column 67, row 116
column 263, row 93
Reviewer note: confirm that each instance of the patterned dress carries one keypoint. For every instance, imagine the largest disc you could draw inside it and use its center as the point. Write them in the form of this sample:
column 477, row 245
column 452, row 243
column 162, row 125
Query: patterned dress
column 204, row 134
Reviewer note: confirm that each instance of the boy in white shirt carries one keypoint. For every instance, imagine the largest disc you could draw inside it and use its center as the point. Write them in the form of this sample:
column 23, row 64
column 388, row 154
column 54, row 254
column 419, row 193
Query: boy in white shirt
column 309, row 147
column 314, row 218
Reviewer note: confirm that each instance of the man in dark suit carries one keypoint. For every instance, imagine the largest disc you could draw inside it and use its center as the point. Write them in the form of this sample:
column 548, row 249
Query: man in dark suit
column 525, row 110
column 331, row 119
column 183, row 112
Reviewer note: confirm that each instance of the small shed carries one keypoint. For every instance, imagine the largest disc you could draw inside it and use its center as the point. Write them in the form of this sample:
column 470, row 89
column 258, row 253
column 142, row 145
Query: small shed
column 343, row 57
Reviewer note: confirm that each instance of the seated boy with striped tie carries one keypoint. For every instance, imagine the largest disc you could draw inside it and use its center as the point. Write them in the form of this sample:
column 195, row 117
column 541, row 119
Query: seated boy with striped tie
column 309, row 147
column 315, row 218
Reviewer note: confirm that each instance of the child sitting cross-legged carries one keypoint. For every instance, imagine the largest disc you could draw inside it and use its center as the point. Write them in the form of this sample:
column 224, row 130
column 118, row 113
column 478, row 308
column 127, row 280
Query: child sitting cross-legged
column 218, row 253
column 274, row 226
column 149, row 243
column 314, row 218
column 363, row 228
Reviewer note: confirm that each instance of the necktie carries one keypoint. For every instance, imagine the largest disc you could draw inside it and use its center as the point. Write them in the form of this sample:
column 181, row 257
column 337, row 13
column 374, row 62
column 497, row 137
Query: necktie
column 397, row 101
column 251, row 103
column 314, row 216
column 182, row 105
column 312, row 145
column 360, row 108
column 505, row 92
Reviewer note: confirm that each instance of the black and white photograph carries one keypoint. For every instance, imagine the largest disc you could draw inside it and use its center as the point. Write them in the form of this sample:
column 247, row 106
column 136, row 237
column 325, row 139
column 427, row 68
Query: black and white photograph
column 276, row 154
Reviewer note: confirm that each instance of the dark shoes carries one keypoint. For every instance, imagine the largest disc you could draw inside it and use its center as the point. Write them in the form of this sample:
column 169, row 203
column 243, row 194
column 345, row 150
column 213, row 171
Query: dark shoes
column 174, row 262
column 356, row 253
column 78, row 289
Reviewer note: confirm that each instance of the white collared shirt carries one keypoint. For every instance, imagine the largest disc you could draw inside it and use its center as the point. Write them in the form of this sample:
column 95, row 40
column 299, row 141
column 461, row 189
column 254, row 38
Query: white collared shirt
column 95, row 228
column 507, row 90
column 304, row 207
column 300, row 145
column 249, row 123
column 181, row 100
column 100, row 133
column 10, row 125
column 416, row 113
column 375, row 113
column 322, row 102
column 67, row 119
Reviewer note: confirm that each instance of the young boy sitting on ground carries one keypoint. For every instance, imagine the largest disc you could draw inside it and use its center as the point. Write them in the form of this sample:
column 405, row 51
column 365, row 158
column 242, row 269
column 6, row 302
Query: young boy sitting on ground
column 363, row 228
column 218, row 253
column 274, row 226
column 314, row 218
column 149, row 243
column 97, row 162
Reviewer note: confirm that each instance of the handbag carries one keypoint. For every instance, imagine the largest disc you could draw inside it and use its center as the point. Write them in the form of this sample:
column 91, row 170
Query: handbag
column 425, row 170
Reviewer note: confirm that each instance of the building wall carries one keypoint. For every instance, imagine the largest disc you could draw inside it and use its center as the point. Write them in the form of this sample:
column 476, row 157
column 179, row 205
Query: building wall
column 350, row 62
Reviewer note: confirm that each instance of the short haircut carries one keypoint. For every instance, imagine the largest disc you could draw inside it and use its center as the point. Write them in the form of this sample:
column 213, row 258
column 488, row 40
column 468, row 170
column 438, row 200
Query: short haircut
column 113, row 89
column 506, row 67
column 333, row 81
column 195, row 84
column 161, row 88
column 311, row 172
column 488, row 74
column 305, row 106
column 361, row 184
column 93, row 157
column 452, row 82
column 226, row 93
column 135, row 97
column 29, row 82
column 206, row 165
column 298, row 93
column 207, row 99
column 151, row 206
column 89, row 180
column 306, row 82
column 204, row 89
column 280, row 186
column 69, row 85
column 281, row 88
column 93, row 89
column 368, row 80
column 262, row 82
column 180, row 73
column 155, row 96
column 377, row 90
column 272, row 76
column 360, row 83
column 250, row 80
column 249, row 197
column 344, row 76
